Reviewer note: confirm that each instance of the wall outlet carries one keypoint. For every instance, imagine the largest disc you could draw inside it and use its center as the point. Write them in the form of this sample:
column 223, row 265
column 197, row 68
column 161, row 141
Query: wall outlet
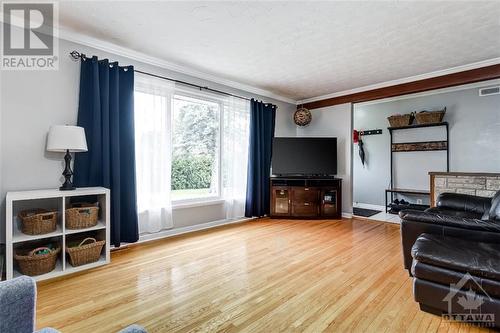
column 419, row 201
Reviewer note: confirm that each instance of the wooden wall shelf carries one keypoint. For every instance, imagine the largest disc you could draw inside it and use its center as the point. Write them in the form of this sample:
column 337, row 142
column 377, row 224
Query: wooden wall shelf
column 419, row 146
column 444, row 123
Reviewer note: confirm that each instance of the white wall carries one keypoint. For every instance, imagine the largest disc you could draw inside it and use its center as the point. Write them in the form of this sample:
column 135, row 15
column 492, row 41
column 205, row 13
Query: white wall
column 335, row 121
column 31, row 101
column 474, row 136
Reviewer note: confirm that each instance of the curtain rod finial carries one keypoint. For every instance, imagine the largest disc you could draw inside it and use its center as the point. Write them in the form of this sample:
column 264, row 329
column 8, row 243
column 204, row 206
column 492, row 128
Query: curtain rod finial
column 75, row 55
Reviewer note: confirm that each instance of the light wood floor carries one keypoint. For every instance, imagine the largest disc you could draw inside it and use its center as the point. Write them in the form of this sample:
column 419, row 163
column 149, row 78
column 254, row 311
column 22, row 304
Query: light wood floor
column 261, row 276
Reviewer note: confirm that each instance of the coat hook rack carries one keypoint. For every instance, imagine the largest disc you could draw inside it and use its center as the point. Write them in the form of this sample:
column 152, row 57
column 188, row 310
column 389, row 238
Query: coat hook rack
column 370, row 132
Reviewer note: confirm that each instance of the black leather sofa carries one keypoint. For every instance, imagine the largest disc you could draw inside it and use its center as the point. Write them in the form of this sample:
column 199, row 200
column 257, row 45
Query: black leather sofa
column 455, row 215
column 453, row 253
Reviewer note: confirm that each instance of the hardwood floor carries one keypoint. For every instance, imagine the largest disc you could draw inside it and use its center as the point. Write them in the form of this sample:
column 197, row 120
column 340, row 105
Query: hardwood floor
column 260, row 276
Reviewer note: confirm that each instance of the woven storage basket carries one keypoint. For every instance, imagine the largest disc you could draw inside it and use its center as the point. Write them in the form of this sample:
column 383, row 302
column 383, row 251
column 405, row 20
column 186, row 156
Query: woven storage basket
column 400, row 120
column 38, row 221
column 36, row 264
column 82, row 215
column 430, row 117
column 85, row 253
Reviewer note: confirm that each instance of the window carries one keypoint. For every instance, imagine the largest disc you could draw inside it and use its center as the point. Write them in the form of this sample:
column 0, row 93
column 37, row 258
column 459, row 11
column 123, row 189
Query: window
column 191, row 147
column 195, row 147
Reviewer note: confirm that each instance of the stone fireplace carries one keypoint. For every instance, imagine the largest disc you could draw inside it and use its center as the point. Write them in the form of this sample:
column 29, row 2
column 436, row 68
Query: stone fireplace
column 480, row 184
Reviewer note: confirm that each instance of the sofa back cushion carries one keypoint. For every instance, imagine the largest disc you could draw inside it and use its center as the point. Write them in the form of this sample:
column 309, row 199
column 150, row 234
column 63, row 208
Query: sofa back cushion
column 463, row 202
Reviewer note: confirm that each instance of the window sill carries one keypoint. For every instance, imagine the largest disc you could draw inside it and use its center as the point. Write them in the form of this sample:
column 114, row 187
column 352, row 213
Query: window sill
column 197, row 203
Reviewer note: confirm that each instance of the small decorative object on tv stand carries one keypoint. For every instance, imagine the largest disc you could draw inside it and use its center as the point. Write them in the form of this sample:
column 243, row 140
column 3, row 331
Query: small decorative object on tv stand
column 68, row 139
column 306, row 198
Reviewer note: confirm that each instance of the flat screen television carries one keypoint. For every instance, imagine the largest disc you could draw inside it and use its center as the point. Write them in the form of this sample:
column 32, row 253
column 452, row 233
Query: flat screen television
column 304, row 157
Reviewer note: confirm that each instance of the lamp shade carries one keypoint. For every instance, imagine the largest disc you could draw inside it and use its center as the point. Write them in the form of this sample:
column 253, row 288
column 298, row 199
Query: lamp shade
column 64, row 137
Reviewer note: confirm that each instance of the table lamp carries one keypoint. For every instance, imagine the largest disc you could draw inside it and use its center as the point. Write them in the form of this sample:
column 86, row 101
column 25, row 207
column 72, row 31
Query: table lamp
column 69, row 139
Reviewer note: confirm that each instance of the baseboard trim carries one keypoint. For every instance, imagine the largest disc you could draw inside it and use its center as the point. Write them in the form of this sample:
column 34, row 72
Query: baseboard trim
column 347, row 215
column 184, row 230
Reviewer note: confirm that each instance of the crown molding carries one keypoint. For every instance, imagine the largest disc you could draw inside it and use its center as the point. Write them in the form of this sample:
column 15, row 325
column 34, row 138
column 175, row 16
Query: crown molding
column 82, row 39
column 479, row 64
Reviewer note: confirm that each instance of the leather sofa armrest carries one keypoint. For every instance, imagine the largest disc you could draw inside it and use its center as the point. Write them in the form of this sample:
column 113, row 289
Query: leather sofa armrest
column 463, row 202
column 450, row 221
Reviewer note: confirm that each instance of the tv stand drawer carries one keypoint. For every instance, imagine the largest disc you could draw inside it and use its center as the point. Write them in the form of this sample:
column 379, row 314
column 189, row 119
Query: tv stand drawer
column 305, row 209
column 305, row 194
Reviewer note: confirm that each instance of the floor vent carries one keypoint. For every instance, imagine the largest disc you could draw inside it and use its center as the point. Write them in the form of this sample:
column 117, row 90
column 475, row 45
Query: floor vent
column 489, row 91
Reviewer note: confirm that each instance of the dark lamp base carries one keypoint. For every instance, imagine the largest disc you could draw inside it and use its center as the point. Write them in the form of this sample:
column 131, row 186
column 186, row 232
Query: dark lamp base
column 67, row 185
column 67, row 188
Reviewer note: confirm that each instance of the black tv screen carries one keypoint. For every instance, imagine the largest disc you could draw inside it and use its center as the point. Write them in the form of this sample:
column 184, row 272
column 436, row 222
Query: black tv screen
column 304, row 156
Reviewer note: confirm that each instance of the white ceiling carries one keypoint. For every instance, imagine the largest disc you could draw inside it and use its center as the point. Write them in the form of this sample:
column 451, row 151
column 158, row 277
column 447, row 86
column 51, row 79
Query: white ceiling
column 297, row 49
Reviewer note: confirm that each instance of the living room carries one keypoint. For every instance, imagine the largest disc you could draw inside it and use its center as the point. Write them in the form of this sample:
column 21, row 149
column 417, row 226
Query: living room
column 250, row 166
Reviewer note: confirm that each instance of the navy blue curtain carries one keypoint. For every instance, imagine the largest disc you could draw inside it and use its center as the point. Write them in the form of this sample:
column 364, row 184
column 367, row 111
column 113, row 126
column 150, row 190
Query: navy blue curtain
column 262, row 121
column 106, row 112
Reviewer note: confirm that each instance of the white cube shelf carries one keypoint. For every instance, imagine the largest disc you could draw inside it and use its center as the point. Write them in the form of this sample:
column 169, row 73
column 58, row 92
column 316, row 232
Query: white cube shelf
column 54, row 199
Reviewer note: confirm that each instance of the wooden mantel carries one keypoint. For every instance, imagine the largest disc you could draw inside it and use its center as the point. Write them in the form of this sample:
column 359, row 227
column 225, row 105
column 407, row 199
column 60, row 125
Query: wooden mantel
column 469, row 174
column 482, row 184
column 438, row 82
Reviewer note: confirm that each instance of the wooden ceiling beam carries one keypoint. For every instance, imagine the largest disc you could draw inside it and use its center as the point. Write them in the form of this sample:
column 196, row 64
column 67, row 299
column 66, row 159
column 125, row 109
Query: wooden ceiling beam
column 438, row 82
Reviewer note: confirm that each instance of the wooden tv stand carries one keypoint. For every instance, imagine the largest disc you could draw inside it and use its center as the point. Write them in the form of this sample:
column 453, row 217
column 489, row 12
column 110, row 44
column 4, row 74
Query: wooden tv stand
column 306, row 198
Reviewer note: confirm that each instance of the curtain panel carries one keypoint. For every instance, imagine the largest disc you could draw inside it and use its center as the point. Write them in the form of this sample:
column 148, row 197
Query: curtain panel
column 262, row 123
column 153, row 130
column 236, row 135
column 106, row 112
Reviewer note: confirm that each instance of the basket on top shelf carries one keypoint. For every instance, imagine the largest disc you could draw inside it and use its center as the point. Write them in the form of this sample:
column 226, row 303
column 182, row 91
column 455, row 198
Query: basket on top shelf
column 82, row 253
column 400, row 120
column 37, row 261
column 38, row 221
column 430, row 117
column 82, row 215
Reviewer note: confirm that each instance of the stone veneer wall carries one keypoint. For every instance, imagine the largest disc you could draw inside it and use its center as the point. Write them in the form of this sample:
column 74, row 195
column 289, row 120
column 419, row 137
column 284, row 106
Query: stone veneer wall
column 483, row 185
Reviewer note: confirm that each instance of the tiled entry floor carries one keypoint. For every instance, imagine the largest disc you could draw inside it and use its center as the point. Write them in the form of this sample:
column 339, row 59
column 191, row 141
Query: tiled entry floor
column 382, row 216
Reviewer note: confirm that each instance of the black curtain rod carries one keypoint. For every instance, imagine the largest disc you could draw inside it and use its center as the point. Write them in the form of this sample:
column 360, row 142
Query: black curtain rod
column 75, row 55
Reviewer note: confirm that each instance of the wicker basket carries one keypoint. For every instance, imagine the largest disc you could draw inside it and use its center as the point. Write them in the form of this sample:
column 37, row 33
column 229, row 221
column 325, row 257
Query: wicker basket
column 430, row 117
column 82, row 253
column 400, row 120
column 38, row 221
column 82, row 215
column 36, row 264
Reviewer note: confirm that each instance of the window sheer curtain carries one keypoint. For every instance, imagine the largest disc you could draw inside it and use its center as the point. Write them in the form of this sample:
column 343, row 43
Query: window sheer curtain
column 153, row 130
column 236, row 135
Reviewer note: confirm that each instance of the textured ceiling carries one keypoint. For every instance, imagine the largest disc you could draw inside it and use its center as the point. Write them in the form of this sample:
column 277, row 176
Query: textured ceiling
column 298, row 49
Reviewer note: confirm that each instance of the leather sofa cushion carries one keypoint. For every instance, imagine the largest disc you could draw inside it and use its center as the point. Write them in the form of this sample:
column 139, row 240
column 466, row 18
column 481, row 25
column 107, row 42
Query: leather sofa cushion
column 455, row 213
column 463, row 202
column 479, row 259
column 446, row 277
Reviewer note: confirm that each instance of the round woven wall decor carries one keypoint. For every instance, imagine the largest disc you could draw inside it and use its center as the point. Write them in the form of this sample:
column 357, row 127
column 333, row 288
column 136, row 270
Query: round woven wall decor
column 302, row 117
